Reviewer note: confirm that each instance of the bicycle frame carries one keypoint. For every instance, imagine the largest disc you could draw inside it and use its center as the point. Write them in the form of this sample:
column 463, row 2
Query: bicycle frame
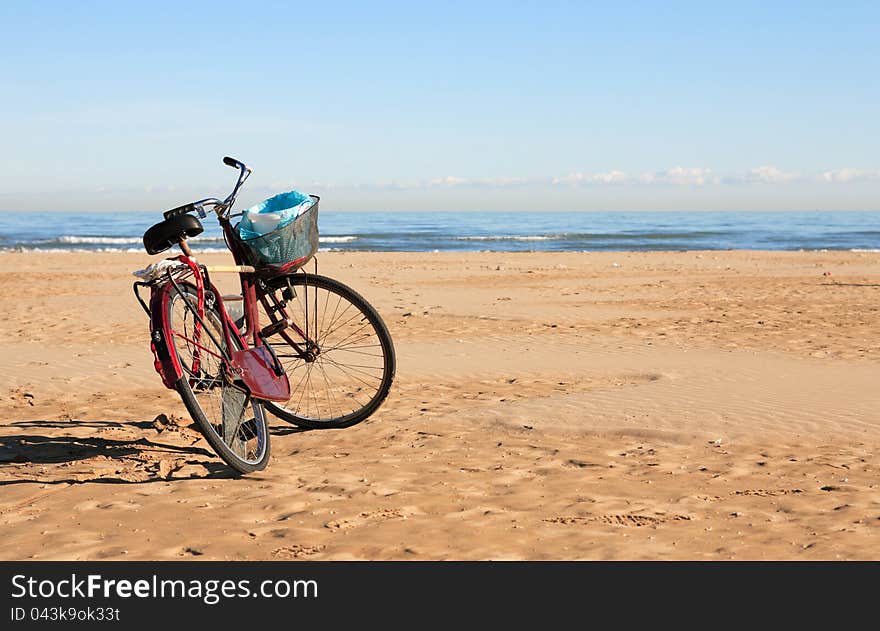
column 255, row 364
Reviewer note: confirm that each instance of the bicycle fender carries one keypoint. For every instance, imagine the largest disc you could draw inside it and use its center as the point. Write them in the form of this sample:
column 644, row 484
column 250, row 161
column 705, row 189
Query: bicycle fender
column 164, row 361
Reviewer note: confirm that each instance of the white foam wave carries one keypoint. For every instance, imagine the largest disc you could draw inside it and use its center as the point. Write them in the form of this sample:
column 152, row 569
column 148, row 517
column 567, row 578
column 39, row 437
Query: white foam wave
column 139, row 250
column 80, row 240
column 75, row 240
column 346, row 239
column 507, row 238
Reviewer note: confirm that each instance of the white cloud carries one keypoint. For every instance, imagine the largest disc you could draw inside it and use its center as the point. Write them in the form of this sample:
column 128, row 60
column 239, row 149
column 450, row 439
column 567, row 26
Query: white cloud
column 849, row 175
column 675, row 176
column 768, row 175
column 501, row 181
column 607, row 177
column 505, row 181
column 681, row 176
column 449, row 180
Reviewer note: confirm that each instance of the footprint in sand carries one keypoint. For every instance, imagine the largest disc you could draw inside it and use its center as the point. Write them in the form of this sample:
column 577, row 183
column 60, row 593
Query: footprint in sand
column 579, row 464
column 620, row 520
column 641, row 520
column 384, row 513
column 110, row 553
column 22, row 396
column 296, row 551
column 767, row 492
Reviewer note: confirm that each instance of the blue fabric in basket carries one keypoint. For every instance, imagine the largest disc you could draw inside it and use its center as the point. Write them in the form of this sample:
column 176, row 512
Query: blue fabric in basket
column 273, row 213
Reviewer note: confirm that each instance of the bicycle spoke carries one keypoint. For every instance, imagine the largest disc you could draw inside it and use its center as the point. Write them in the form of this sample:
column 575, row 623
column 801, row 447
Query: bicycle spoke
column 355, row 332
column 342, row 368
column 232, row 417
column 353, row 344
column 351, row 365
column 335, row 309
column 321, row 326
column 315, row 395
column 355, row 376
column 330, row 396
column 348, row 347
column 300, row 382
column 327, row 334
column 302, row 392
column 348, row 350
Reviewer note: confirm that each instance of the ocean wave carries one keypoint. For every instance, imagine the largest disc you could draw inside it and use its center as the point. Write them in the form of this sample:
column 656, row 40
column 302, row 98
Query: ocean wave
column 40, row 250
column 140, row 250
column 90, row 240
column 459, row 232
column 593, row 236
column 511, row 238
column 76, row 240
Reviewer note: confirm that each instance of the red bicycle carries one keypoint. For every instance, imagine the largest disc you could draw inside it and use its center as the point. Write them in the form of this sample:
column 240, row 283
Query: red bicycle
column 305, row 347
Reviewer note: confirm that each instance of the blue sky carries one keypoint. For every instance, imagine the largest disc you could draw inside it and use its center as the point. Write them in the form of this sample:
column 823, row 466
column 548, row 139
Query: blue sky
column 458, row 106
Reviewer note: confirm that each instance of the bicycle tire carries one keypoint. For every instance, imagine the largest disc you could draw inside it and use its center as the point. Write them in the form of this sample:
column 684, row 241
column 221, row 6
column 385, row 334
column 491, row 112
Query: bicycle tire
column 307, row 286
column 230, row 397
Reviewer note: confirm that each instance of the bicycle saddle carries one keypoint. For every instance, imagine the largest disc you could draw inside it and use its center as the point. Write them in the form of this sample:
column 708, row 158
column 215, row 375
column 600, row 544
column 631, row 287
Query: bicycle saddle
column 170, row 232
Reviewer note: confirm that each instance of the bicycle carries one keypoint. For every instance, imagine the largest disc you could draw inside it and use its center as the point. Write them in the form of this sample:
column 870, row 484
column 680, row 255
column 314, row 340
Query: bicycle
column 319, row 334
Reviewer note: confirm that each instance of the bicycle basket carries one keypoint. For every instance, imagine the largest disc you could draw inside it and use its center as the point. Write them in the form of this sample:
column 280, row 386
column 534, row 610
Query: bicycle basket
column 290, row 246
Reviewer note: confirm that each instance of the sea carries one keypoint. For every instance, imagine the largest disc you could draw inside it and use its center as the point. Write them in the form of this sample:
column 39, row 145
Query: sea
column 481, row 231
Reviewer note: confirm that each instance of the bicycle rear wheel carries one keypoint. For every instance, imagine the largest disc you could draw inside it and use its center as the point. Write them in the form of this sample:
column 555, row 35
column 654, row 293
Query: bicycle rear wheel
column 336, row 350
column 232, row 422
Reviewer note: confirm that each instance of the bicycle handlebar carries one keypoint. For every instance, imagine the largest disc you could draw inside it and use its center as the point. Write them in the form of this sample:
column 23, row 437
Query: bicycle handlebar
column 215, row 204
column 244, row 173
column 236, row 164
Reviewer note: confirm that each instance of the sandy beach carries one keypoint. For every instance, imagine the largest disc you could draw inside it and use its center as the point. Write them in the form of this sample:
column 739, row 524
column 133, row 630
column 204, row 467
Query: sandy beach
column 645, row 405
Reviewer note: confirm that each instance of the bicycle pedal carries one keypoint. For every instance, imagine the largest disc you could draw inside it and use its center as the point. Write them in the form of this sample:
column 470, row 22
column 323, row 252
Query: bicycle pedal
column 274, row 328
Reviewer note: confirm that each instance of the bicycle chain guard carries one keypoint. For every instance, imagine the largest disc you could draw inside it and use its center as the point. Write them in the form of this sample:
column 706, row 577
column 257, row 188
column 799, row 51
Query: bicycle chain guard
column 258, row 372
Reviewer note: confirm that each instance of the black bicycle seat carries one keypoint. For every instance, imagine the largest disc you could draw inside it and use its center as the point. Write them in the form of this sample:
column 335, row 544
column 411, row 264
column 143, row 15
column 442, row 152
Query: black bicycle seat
column 171, row 232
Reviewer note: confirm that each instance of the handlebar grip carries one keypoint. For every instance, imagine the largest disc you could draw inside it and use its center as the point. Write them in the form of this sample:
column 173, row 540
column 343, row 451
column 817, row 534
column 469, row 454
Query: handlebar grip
column 232, row 162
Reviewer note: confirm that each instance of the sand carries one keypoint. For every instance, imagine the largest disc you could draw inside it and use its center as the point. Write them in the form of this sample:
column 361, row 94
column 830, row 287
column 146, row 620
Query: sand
column 668, row 405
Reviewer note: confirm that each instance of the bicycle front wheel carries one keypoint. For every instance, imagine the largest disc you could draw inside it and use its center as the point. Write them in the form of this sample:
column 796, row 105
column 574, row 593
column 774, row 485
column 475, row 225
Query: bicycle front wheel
column 231, row 421
column 334, row 346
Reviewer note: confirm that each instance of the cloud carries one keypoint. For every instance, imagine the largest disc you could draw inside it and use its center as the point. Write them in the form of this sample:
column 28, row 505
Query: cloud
column 849, row 175
column 452, row 181
column 449, row 180
column 680, row 176
column 506, row 181
column 766, row 175
column 675, row 176
column 607, row 177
